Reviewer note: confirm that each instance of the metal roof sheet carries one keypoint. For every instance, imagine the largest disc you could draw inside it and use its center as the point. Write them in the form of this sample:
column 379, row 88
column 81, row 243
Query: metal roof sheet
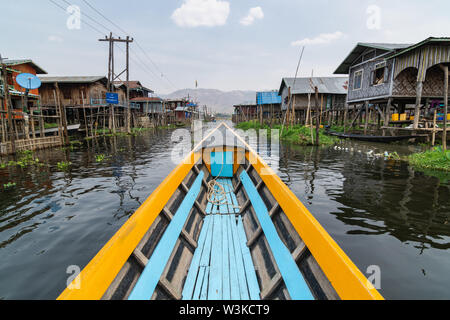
column 420, row 44
column 72, row 79
column 331, row 85
column 16, row 62
column 361, row 47
column 268, row 97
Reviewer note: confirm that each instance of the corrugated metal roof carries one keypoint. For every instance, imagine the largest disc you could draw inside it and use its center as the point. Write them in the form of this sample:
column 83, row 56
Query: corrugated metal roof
column 361, row 47
column 420, row 44
column 146, row 99
column 331, row 85
column 132, row 85
column 16, row 62
column 247, row 103
column 268, row 97
column 73, row 79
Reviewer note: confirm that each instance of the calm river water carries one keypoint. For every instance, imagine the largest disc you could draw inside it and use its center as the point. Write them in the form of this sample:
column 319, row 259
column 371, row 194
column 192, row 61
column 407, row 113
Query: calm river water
column 380, row 212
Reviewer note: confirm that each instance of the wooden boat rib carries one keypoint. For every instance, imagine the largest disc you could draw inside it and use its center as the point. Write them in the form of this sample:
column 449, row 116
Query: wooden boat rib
column 221, row 226
column 385, row 139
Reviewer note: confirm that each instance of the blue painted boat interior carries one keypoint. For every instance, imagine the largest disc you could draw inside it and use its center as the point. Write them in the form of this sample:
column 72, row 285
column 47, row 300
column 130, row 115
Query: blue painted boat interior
column 222, row 267
column 222, row 164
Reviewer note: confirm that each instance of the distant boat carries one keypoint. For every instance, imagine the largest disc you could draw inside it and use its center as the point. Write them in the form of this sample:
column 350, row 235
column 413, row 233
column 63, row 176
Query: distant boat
column 222, row 226
column 385, row 139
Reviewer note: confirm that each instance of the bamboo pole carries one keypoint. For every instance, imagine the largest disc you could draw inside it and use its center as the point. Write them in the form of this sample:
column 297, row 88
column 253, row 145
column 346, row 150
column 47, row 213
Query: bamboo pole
column 8, row 107
column 317, row 116
column 84, row 114
column 433, row 136
column 33, row 131
column 444, row 134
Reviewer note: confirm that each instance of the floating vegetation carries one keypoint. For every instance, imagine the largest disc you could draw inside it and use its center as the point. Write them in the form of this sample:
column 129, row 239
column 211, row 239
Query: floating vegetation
column 436, row 159
column 64, row 165
column 392, row 156
column 9, row 185
column 297, row 134
column 100, row 158
column 25, row 159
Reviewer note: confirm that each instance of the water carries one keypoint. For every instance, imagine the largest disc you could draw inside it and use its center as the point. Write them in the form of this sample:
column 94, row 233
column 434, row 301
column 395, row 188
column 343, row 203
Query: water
column 380, row 212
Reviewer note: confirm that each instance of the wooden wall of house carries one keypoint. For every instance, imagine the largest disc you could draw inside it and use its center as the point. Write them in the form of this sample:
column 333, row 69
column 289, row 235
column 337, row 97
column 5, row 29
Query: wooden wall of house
column 337, row 101
column 72, row 93
column 23, row 68
column 368, row 90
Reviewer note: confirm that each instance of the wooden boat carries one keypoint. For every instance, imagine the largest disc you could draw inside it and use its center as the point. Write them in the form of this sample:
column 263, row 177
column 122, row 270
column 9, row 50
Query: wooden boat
column 384, row 139
column 221, row 226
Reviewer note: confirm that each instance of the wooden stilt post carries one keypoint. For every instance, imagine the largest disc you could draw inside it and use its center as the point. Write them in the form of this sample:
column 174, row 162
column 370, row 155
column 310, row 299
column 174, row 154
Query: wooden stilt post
column 84, row 114
column 62, row 115
column 444, row 133
column 346, row 106
column 419, row 89
column 366, row 116
column 433, row 137
column 8, row 106
column 33, row 129
column 317, row 116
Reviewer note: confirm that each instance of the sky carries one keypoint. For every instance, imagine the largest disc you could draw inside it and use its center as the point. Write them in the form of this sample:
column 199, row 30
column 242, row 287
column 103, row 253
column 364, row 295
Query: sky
column 225, row 45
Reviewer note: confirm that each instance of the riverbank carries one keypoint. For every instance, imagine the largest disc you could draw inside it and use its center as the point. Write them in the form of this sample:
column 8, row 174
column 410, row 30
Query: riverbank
column 434, row 159
column 299, row 135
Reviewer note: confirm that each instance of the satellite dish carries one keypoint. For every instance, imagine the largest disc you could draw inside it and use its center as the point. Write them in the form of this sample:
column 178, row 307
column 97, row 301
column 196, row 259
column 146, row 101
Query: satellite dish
column 28, row 81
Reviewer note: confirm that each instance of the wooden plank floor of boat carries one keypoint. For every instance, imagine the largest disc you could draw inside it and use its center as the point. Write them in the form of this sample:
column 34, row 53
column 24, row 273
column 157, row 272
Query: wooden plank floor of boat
column 222, row 267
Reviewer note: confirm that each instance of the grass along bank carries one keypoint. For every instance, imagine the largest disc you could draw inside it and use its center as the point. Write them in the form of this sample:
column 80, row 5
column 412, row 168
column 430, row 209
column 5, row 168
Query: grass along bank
column 298, row 135
column 434, row 159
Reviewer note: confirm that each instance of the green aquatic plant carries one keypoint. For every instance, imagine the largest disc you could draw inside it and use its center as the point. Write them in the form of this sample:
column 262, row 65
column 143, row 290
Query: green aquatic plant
column 435, row 159
column 64, row 165
column 9, row 185
column 392, row 156
column 100, row 158
column 299, row 135
column 25, row 159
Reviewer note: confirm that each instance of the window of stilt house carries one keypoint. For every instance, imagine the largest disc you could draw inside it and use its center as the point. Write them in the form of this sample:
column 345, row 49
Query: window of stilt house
column 379, row 75
column 357, row 80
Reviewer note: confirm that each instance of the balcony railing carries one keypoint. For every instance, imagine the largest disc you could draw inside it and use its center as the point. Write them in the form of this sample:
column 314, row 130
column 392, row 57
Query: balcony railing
column 102, row 102
column 85, row 102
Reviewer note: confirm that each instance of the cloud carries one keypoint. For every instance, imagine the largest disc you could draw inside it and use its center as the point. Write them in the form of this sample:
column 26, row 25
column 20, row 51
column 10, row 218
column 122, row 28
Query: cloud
column 54, row 38
column 201, row 13
column 323, row 38
column 254, row 14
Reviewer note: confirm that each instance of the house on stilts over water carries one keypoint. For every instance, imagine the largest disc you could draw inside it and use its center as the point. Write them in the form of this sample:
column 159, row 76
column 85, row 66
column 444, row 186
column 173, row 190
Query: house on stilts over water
column 398, row 84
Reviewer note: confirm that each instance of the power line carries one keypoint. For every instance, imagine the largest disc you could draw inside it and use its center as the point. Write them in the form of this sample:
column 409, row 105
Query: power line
column 101, row 14
column 65, row 10
column 136, row 42
column 141, row 64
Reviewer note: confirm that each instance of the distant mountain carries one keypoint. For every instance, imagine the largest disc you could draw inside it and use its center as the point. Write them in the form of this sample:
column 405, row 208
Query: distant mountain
column 216, row 100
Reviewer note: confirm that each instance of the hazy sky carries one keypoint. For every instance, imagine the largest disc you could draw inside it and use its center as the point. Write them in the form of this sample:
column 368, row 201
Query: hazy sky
column 227, row 45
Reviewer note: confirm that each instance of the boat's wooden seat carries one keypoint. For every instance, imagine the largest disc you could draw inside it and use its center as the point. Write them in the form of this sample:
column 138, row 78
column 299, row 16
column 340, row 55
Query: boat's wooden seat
column 222, row 267
column 149, row 278
column 295, row 283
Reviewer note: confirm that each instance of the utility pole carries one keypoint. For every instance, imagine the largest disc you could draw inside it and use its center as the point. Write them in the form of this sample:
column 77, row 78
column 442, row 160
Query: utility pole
column 112, row 77
column 8, row 105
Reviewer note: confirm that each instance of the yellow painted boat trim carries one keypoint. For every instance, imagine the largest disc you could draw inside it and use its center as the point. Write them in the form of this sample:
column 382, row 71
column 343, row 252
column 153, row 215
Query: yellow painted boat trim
column 344, row 275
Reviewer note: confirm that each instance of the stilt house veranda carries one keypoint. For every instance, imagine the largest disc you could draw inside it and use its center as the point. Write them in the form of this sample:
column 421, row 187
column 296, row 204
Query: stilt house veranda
column 391, row 77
